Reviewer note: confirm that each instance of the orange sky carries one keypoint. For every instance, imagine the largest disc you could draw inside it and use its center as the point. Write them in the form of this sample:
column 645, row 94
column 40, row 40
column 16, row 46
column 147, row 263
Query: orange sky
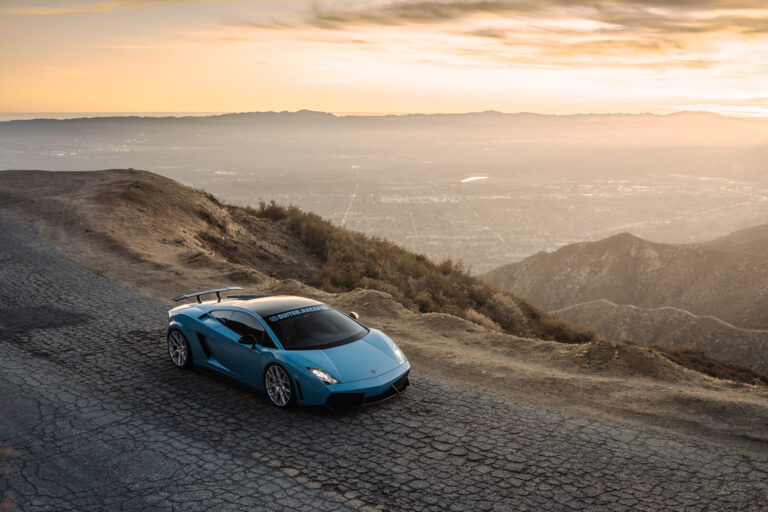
column 548, row 56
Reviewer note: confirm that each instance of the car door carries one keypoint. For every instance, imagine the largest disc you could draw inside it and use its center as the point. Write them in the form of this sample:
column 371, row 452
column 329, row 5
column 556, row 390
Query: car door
column 243, row 361
column 213, row 336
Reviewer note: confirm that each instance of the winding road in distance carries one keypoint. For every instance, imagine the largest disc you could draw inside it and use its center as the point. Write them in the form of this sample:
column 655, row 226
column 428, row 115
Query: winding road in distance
column 103, row 421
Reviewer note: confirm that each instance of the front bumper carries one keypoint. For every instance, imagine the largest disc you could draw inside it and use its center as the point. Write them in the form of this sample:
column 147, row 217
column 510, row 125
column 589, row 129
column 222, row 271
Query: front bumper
column 351, row 394
column 338, row 401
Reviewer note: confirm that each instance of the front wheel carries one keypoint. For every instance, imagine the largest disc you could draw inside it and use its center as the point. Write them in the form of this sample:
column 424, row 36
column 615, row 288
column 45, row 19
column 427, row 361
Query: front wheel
column 178, row 348
column 279, row 387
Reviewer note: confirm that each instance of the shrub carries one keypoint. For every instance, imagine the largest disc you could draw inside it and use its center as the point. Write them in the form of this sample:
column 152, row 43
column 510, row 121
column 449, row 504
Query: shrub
column 270, row 211
column 504, row 308
column 424, row 302
column 480, row 319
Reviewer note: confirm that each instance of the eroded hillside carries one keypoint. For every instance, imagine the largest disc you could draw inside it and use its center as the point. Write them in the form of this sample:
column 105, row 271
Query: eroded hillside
column 626, row 269
column 711, row 297
column 674, row 328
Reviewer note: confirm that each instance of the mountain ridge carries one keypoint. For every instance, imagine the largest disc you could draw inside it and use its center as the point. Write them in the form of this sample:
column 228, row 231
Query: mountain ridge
column 710, row 296
column 685, row 129
column 753, row 239
column 626, row 269
column 308, row 113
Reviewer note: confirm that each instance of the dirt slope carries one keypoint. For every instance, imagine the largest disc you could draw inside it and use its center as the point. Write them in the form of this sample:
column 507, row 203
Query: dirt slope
column 151, row 234
column 674, row 328
column 154, row 226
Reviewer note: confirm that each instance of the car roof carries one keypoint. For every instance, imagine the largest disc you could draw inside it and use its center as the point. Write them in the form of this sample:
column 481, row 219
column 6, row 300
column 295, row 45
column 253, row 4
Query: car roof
column 270, row 305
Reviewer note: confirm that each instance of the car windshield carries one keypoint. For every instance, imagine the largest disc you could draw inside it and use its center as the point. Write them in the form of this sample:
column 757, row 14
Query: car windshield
column 314, row 327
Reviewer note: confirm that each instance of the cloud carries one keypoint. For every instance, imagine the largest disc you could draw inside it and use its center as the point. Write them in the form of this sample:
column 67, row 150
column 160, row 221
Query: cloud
column 399, row 13
column 543, row 33
column 676, row 19
column 649, row 33
column 435, row 11
column 558, row 58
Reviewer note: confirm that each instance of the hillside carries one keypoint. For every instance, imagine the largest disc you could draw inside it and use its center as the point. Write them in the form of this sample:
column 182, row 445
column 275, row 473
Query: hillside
column 674, row 328
column 153, row 222
column 711, row 297
column 156, row 221
column 625, row 269
column 752, row 240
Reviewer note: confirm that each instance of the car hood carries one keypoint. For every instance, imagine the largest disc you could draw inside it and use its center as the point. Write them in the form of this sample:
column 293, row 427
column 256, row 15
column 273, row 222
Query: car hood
column 362, row 359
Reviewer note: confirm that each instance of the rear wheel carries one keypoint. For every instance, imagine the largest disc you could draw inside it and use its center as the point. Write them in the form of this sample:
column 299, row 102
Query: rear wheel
column 278, row 386
column 178, row 348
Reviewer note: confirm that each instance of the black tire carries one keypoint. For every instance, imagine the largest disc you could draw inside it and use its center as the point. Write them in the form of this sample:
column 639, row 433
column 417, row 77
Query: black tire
column 178, row 349
column 278, row 386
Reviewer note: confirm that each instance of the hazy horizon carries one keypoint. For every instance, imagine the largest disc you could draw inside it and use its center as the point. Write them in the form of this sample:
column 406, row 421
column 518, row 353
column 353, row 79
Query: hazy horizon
column 31, row 116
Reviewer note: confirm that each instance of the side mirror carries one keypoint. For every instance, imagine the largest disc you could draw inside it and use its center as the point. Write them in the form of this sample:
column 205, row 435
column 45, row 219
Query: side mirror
column 354, row 315
column 248, row 340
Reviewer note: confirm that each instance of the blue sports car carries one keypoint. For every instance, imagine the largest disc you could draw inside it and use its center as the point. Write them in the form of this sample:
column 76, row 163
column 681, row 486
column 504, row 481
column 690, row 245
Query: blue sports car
column 297, row 350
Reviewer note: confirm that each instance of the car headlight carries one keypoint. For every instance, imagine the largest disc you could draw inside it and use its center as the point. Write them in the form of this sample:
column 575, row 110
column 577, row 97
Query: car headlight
column 323, row 375
column 398, row 354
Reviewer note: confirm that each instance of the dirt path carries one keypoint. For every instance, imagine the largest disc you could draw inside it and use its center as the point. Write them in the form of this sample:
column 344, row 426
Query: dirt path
column 661, row 308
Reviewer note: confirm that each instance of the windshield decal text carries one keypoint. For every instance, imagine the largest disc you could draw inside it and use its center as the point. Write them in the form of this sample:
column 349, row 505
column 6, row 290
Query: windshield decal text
column 294, row 312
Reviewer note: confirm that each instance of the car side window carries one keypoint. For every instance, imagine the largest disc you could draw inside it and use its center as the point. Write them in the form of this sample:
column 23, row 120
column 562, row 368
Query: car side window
column 221, row 315
column 246, row 325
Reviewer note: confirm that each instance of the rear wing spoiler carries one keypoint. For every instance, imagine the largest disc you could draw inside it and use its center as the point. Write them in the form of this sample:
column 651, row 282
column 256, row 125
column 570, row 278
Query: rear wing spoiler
column 217, row 291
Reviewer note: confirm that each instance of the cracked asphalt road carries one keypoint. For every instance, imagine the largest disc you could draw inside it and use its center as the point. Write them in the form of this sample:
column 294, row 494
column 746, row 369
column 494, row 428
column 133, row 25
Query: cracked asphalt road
column 103, row 421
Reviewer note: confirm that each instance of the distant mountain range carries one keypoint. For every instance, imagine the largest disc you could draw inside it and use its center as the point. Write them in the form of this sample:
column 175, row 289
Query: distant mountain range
column 694, row 128
column 711, row 296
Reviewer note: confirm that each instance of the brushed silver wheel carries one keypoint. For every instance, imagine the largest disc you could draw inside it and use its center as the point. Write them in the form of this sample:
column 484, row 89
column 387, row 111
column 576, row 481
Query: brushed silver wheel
column 278, row 385
column 178, row 348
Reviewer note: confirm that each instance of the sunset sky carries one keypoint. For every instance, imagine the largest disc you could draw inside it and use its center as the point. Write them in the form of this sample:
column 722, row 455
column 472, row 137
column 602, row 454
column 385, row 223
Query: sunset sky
column 548, row 56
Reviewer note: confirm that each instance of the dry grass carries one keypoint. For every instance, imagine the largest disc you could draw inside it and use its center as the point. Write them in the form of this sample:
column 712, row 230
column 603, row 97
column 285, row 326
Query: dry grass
column 480, row 319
